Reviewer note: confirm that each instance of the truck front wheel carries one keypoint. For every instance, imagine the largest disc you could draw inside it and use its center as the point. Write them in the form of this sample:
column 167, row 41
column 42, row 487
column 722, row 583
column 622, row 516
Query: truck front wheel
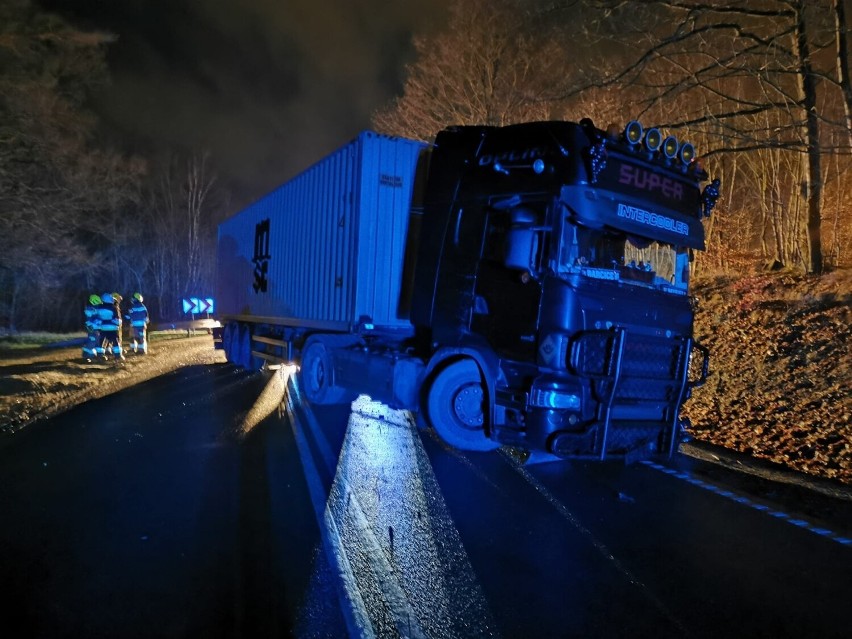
column 455, row 407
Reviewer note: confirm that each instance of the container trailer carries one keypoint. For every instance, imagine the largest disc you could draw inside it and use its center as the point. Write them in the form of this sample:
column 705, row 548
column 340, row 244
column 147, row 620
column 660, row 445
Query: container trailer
column 523, row 285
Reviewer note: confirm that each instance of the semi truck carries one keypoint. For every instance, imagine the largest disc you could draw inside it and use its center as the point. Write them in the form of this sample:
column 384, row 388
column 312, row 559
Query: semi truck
column 525, row 285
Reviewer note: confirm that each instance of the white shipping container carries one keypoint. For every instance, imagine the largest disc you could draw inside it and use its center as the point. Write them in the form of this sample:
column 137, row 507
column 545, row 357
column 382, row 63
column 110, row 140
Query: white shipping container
column 328, row 246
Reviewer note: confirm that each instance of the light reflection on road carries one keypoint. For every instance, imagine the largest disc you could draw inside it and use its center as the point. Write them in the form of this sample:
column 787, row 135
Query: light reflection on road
column 386, row 529
column 268, row 401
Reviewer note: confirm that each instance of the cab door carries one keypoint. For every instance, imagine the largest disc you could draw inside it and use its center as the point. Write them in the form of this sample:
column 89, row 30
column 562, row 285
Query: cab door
column 456, row 278
column 507, row 293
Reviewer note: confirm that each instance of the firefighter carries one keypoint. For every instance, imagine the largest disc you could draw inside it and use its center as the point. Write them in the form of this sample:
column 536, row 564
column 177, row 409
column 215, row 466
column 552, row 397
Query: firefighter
column 138, row 317
column 90, row 312
column 117, row 300
column 110, row 325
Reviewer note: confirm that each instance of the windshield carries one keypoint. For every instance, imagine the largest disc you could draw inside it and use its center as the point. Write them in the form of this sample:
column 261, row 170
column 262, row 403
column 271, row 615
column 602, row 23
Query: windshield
column 612, row 255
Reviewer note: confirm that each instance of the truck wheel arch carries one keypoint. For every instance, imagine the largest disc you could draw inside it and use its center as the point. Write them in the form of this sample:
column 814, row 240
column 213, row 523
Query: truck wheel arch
column 487, row 364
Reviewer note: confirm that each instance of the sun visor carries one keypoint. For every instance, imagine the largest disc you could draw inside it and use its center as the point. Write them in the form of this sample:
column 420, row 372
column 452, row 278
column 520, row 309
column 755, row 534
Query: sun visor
column 597, row 208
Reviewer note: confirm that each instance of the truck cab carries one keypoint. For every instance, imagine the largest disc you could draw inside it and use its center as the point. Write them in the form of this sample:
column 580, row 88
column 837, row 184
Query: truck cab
column 551, row 288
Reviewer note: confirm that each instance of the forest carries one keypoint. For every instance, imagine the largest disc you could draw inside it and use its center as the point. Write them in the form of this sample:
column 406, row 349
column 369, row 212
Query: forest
column 760, row 87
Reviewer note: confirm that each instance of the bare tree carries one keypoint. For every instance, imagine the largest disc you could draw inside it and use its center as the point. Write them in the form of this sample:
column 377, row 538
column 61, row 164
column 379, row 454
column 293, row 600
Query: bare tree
column 57, row 190
column 199, row 183
column 711, row 66
column 183, row 209
column 490, row 66
column 842, row 62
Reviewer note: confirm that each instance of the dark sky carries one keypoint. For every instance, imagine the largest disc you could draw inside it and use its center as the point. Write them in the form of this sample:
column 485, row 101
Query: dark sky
column 267, row 86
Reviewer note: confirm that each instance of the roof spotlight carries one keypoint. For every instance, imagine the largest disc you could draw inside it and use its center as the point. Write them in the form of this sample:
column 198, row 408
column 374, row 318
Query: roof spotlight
column 653, row 139
column 670, row 147
column 633, row 132
column 687, row 153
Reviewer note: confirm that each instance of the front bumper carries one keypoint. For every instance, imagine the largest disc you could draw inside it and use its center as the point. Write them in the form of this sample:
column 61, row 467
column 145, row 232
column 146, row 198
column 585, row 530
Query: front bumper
column 620, row 398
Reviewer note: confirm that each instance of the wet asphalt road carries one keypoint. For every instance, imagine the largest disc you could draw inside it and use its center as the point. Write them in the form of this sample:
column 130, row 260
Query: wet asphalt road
column 186, row 507
column 144, row 515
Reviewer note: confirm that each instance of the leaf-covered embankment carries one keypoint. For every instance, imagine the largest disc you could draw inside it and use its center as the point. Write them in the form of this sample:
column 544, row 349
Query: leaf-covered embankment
column 781, row 370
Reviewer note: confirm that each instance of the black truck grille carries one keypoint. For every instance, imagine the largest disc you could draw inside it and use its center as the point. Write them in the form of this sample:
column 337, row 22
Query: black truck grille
column 649, row 365
column 649, row 358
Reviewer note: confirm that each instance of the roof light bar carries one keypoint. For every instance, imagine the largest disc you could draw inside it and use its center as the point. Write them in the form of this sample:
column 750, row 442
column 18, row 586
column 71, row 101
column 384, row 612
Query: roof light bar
column 652, row 140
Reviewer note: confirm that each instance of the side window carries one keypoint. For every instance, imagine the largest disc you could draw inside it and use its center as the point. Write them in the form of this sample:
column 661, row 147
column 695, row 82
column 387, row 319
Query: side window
column 516, row 239
column 495, row 236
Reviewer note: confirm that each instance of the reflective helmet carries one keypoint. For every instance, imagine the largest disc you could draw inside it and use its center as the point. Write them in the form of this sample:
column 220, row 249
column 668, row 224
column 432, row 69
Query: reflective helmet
column 94, row 300
column 116, row 296
column 106, row 298
column 137, row 297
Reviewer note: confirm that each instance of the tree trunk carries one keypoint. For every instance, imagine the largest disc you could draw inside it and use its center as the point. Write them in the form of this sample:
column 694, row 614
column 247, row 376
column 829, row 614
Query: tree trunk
column 843, row 62
column 813, row 181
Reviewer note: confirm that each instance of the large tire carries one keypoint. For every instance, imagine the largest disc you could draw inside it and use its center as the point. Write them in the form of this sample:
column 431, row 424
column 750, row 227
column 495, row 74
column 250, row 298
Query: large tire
column 234, row 345
column 240, row 341
column 228, row 341
column 316, row 375
column 250, row 362
column 245, row 347
column 455, row 407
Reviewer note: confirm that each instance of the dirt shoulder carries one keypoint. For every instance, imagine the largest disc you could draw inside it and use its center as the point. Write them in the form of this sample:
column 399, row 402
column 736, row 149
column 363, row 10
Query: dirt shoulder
column 39, row 383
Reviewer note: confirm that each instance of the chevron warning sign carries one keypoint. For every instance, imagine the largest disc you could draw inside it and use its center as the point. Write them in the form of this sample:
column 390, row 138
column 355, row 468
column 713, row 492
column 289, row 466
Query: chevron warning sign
column 197, row 305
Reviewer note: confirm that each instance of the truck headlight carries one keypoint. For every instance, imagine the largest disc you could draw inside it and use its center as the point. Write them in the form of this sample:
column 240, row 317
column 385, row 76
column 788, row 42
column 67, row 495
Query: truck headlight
column 560, row 399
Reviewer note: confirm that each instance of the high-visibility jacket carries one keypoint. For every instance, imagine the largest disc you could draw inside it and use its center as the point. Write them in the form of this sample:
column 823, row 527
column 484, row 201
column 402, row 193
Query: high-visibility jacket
column 90, row 312
column 110, row 320
column 138, row 314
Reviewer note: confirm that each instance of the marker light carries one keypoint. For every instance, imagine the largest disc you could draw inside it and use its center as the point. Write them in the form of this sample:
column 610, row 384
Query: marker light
column 670, row 147
column 633, row 132
column 687, row 153
column 653, row 139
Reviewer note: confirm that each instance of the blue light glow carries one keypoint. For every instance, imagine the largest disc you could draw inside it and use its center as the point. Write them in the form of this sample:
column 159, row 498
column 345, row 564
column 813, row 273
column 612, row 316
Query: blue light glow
column 386, row 529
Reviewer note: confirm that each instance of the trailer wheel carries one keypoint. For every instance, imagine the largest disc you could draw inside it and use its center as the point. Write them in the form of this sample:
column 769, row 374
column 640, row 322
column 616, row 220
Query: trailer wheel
column 240, row 344
column 234, row 345
column 455, row 407
column 250, row 362
column 227, row 339
column 316, row 374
